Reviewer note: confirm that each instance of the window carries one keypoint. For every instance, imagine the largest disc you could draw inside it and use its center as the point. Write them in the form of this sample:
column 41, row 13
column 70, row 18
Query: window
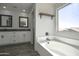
column 68, row 17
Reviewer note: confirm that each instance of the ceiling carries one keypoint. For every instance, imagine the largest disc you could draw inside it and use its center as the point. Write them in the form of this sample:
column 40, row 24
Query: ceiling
column 16, row 6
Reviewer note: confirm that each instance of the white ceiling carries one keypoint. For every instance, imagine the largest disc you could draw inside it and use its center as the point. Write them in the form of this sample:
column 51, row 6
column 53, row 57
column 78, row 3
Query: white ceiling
column 16, row 6
column 20, row 6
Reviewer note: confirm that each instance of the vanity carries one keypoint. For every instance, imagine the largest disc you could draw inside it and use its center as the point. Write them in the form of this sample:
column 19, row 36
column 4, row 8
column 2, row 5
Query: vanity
column 13, row 36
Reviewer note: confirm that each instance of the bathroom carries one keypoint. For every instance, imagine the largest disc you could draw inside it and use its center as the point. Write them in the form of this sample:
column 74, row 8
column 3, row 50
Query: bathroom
column 33, row 26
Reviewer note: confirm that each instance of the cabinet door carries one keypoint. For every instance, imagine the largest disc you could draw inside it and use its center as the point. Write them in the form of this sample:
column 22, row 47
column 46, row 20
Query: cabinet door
column 2, row 38
column 27, row 36
column 10, row 37
column 6, row 38
column 21, row 37
column 18, row 37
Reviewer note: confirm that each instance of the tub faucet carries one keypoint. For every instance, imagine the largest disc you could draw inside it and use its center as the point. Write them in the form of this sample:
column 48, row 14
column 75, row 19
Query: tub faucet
column 47, row 39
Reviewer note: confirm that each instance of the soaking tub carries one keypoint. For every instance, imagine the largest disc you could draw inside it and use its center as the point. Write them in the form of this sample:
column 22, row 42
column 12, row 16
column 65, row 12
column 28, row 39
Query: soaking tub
column 59, row 46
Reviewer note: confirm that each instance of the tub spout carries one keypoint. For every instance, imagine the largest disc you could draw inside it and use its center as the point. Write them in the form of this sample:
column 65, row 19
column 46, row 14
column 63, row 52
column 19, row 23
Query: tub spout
column 47, row 39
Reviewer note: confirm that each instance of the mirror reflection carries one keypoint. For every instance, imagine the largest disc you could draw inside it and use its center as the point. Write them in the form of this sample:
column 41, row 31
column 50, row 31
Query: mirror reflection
column 5, row 21
column 23, row 21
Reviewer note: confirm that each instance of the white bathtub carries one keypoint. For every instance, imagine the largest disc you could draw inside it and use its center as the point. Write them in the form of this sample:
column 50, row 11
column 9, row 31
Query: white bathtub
column 56, row 48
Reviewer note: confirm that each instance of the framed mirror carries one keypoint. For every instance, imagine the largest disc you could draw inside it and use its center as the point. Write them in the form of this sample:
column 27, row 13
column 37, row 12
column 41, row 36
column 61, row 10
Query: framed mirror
column 23, row 21
column 5, row 20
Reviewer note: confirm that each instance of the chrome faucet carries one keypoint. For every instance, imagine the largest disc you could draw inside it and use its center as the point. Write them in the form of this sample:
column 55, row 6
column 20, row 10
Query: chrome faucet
column 47, row 39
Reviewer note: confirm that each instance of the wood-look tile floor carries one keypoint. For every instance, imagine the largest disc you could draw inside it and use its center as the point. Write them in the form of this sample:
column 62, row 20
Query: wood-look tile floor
column 25, row 49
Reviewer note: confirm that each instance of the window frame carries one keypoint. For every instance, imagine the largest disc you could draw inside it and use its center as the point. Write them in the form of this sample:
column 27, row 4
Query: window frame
column 57, row 20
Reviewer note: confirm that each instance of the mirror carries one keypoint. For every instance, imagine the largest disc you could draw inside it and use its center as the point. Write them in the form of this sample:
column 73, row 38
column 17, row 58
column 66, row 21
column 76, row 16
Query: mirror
column 23, row 21
column 5, row 21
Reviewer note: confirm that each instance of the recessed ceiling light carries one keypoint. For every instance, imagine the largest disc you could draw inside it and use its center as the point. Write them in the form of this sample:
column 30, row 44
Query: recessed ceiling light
column 4, row 7
column 24, row 10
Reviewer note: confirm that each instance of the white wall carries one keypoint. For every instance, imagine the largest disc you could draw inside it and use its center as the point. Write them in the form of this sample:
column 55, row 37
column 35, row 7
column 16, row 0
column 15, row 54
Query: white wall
column 45, row 23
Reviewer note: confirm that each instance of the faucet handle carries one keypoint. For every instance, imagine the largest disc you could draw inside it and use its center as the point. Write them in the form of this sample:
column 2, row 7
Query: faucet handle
column 46, row 33
column 47, row 39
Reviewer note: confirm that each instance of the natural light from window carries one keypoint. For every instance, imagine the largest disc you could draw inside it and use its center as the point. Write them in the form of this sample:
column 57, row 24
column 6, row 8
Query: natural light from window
column 68, row 17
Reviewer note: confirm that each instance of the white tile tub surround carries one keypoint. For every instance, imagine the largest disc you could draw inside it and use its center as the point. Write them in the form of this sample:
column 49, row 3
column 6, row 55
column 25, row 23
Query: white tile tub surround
column 68, row 40
column 58, row 48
